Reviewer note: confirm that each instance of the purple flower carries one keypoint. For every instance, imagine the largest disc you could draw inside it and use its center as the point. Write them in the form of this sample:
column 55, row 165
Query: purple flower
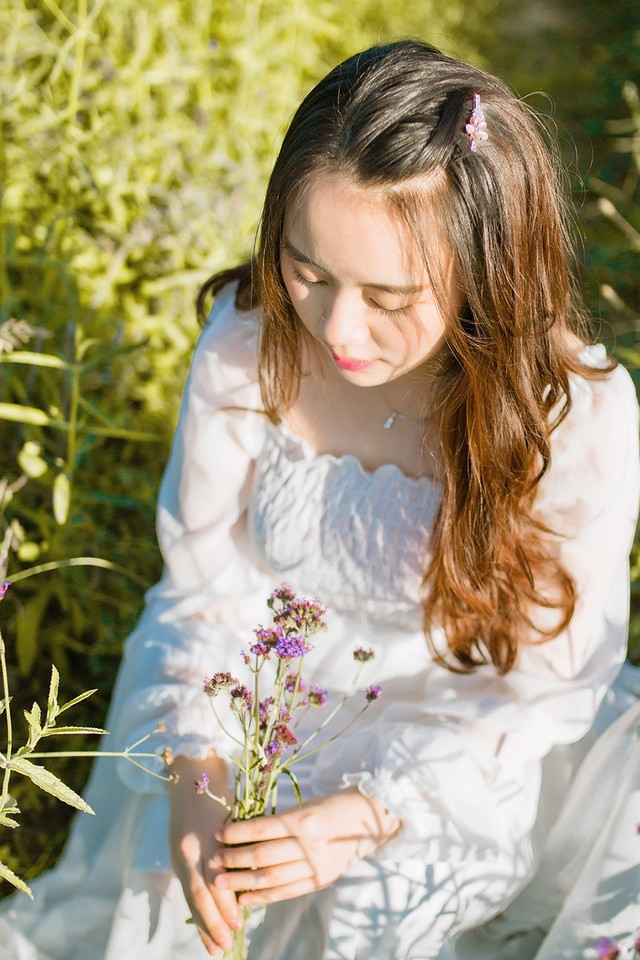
column 264, row 710
column 373, row 693
column 241, row 695
column 213, row 685
column 290, row 647
column 4, row 587
column 317, row 697
column 202, row 783
column 260, row 649
column 363, row 655
column 301, row 614
column 290, row 684
column 246, row 659
column 607, row 949
column 284, row 593
column 272, row 748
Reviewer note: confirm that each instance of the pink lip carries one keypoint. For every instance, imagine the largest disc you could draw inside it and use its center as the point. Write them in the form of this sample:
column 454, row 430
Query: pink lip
column 348, row 364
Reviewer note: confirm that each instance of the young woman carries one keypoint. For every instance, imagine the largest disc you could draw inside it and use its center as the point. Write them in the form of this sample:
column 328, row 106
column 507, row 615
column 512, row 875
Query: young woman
column 393, row 407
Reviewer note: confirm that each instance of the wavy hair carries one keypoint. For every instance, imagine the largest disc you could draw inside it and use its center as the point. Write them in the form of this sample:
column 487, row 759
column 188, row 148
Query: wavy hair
column 393, row 118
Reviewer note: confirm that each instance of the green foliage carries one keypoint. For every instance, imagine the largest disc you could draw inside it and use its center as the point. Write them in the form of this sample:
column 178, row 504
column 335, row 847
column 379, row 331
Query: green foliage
column 135, row 142
column 136, row 139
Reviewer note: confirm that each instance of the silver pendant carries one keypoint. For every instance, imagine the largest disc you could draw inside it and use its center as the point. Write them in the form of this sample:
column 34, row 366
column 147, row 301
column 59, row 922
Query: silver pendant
column 389, row 421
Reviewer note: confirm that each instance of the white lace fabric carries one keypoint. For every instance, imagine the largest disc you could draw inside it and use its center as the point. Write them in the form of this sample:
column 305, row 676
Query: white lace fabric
column 457, row 758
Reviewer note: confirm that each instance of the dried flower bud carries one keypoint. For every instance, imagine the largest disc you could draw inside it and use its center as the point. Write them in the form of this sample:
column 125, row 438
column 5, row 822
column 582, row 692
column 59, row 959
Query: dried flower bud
column 373, row 693
column 4, row 587
column 303, row 615
column 161, row 726
column 362, row 655
column 167, row 756
column 202, row 783
column 213, row 685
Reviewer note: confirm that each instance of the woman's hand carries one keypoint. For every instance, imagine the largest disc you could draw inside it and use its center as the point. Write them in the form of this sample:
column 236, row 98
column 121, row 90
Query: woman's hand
column 302, row 850
column 194, row 821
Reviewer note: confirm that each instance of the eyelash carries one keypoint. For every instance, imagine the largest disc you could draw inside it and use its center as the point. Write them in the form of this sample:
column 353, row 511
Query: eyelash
column 399, row 312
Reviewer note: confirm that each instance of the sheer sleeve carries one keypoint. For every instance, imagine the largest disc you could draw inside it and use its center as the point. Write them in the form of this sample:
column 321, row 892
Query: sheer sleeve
column 196, row 617
column 458, row 758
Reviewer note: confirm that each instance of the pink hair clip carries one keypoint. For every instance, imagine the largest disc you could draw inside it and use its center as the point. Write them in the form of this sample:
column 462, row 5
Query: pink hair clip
column 477, row 126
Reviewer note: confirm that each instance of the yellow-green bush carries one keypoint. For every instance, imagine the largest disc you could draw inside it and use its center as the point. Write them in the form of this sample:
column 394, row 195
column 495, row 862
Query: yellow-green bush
column 136, row 138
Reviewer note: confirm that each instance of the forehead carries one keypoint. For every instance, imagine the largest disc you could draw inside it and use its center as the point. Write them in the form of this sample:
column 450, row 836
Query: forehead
column 353, row 233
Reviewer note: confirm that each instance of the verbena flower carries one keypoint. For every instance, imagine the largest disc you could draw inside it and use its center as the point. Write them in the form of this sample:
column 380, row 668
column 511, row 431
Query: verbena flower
column 264, row 710
column 241, row 695
column 213, row 685
column 362, row 655
column 607, row 949
column 246, row 659
column 284, row 593
column 303, row 615
column 284, row 735
column 317, row 697
column 290, row 683
column 202, row 783
column 373, row 693
column 4, row 587
column 268, row 636
column 292, row 646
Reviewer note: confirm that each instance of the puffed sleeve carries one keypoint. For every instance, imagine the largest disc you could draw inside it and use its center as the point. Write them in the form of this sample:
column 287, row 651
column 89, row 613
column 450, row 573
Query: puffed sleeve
column 457, row 757
column 198, row 617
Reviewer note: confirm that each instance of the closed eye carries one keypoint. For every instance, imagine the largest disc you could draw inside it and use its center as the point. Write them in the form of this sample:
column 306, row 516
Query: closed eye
column 305, row 281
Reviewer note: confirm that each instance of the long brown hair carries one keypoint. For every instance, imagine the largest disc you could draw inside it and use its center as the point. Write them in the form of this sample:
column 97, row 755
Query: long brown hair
column 393, row 118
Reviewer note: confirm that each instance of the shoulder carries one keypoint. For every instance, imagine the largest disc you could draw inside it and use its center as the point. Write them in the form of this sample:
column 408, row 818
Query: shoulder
column 225, row 358
column 595, row 455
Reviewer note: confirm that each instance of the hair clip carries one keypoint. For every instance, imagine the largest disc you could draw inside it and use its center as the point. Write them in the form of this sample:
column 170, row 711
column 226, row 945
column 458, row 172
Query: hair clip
column 477, row 126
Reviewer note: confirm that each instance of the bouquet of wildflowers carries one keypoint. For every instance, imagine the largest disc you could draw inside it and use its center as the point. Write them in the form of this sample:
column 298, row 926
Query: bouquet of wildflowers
column 269, row 721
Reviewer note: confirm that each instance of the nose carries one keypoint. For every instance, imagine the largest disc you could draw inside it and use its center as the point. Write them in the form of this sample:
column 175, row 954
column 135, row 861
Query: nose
column 344, row 323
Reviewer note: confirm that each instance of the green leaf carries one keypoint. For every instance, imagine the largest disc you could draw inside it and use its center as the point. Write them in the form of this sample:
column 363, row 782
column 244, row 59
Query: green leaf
column 30, row 460
column 9, row 875
column 78, row 699
column 61, row 498
column 49, row 783
column 28, row 622
column 295, row 784
column 52, row 700
column 35, row 359
column 63, row 730
column 21, row 414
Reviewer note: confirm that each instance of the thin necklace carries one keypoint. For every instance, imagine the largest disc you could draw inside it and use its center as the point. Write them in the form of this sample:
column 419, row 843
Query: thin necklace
column 396, row 415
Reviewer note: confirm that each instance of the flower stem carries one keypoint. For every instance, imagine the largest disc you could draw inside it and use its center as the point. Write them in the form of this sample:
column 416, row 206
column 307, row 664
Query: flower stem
column 7, row 713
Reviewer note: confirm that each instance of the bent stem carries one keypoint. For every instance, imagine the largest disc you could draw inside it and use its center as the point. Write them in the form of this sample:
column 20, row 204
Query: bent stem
column 7, row 712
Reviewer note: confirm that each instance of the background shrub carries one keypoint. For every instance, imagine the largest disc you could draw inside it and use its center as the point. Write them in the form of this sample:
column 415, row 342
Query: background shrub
column 136, row 138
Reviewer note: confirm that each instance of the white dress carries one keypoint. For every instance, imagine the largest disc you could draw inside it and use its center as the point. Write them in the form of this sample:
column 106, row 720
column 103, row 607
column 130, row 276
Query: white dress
column 476, row 766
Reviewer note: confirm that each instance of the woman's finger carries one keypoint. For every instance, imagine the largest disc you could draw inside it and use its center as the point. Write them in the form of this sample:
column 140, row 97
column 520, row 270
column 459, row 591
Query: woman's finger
column 215, row 933
column 225, row 899
column 267, row 878
column 285, row 892
column 252, row 831
column 258, row 854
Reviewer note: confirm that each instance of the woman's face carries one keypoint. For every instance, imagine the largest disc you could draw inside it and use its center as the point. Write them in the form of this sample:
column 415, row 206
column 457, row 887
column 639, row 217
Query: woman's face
column 355, row 284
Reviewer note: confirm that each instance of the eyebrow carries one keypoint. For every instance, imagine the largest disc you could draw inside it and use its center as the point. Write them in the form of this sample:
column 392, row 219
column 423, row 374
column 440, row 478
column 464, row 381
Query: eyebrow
column 386, row 287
